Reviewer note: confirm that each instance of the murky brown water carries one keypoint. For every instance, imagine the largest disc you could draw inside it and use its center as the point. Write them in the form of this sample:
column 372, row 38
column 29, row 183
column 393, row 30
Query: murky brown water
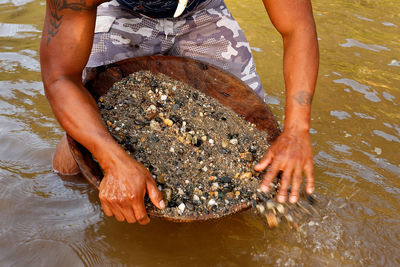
column 355, row 130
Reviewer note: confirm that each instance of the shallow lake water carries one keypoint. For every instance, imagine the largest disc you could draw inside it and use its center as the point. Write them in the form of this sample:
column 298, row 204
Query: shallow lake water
column 47, row 221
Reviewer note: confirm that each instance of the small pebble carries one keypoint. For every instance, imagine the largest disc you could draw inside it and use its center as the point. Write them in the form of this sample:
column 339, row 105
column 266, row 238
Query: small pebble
column 161, row 179
column 230, row 195
column 168, row 122
column 270, row 205
column 204, row 138
column 246, row 156
column 214, row 186
column 272, row 220
column 211, row 141
column 280, row 208
column 181, row 207
column 198, row 191
column 211, row 202
column 233, row 141
column 246, row 175
column 167, row 194
column 260, row 209
column 188, row 139
column 212, row 178
column 163, row 97
column 237, row 193
column 225, row 143
column 180, row 191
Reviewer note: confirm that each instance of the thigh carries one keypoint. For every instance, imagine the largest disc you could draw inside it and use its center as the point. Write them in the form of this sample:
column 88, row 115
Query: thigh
column 213, row 36
column 122, row 34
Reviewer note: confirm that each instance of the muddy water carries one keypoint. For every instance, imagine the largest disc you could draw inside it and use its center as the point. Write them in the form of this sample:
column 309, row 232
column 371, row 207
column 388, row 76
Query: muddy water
column 355, row 131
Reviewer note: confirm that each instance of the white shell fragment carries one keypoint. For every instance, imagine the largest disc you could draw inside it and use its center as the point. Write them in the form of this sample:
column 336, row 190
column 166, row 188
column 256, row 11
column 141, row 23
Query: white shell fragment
column 260, row 209
column 280, row 208
column 212, row 202
column 180, row 8
column 181, row 207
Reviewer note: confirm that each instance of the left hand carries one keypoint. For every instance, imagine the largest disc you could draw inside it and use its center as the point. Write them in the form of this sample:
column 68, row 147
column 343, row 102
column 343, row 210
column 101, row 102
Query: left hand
column 292, row 154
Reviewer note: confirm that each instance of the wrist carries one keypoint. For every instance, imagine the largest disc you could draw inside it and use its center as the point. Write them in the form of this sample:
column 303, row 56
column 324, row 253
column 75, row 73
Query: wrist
column 109, row 154
column 297, row 127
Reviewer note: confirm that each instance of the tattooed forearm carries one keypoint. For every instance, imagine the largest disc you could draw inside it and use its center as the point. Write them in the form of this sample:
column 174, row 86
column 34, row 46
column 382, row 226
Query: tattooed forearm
column 303, row 98
column 55, row 18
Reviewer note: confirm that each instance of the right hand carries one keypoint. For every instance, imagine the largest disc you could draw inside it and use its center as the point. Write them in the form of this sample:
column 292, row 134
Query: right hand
column 123, row 188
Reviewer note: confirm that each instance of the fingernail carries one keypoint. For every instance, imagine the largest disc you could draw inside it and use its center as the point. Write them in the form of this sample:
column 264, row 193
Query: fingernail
column 293, row 199
column 310, row 190
column 264, row 188
column 281, row 199
column 162, row 204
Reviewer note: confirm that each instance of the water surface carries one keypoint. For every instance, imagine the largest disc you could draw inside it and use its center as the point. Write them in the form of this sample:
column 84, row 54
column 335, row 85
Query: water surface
column 46, row 221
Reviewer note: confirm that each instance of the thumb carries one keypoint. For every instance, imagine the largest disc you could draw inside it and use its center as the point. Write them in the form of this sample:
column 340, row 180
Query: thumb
column 265, row 161
column 155, row 194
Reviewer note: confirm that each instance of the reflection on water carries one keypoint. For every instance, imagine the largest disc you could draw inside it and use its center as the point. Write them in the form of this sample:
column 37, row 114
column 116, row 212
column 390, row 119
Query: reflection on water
column 50, row 221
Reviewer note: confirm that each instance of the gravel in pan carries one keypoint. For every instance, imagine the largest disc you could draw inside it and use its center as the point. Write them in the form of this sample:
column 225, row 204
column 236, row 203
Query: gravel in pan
column 200, row 153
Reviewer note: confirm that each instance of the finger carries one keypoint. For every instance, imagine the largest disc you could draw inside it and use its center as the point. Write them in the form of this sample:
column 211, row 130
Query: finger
column 116, row 210
column 265, row 161
column 269, row 177
column 296, row 182
column 155, row 194
column 140, row 211
column 309, row 171
column 105, row 205
column 285, row 182
column 127, row 211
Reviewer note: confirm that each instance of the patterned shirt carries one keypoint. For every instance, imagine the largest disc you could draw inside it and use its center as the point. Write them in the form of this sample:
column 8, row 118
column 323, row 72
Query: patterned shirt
column 158, row 8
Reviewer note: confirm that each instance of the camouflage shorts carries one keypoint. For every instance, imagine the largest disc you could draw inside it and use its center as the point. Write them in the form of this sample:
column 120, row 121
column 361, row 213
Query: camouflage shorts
column 209, row 34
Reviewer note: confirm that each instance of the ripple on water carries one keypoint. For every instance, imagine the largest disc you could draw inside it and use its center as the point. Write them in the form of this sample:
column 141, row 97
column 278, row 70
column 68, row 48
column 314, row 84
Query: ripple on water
column 389, row 97
column 364, row 116
column 341, row 115
column 9, row 88
column 370, row 94
column 372, row 47
column 17, row 30
column 16, row 2
column 389, row 24
column 363, row 18
column 13, row 61
column 395, row 63
column 386, row 136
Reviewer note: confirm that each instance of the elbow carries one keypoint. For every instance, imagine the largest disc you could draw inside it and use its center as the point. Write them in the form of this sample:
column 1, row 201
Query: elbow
column 54, row 82
column 50, row 84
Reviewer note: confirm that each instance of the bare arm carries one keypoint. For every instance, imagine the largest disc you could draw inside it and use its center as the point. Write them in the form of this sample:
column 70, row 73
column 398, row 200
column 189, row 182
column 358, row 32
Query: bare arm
column 292, row 152
column 65, row 49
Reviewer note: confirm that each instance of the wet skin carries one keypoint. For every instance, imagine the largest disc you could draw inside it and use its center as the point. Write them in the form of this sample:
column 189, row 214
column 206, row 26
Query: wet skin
column 65, row 49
